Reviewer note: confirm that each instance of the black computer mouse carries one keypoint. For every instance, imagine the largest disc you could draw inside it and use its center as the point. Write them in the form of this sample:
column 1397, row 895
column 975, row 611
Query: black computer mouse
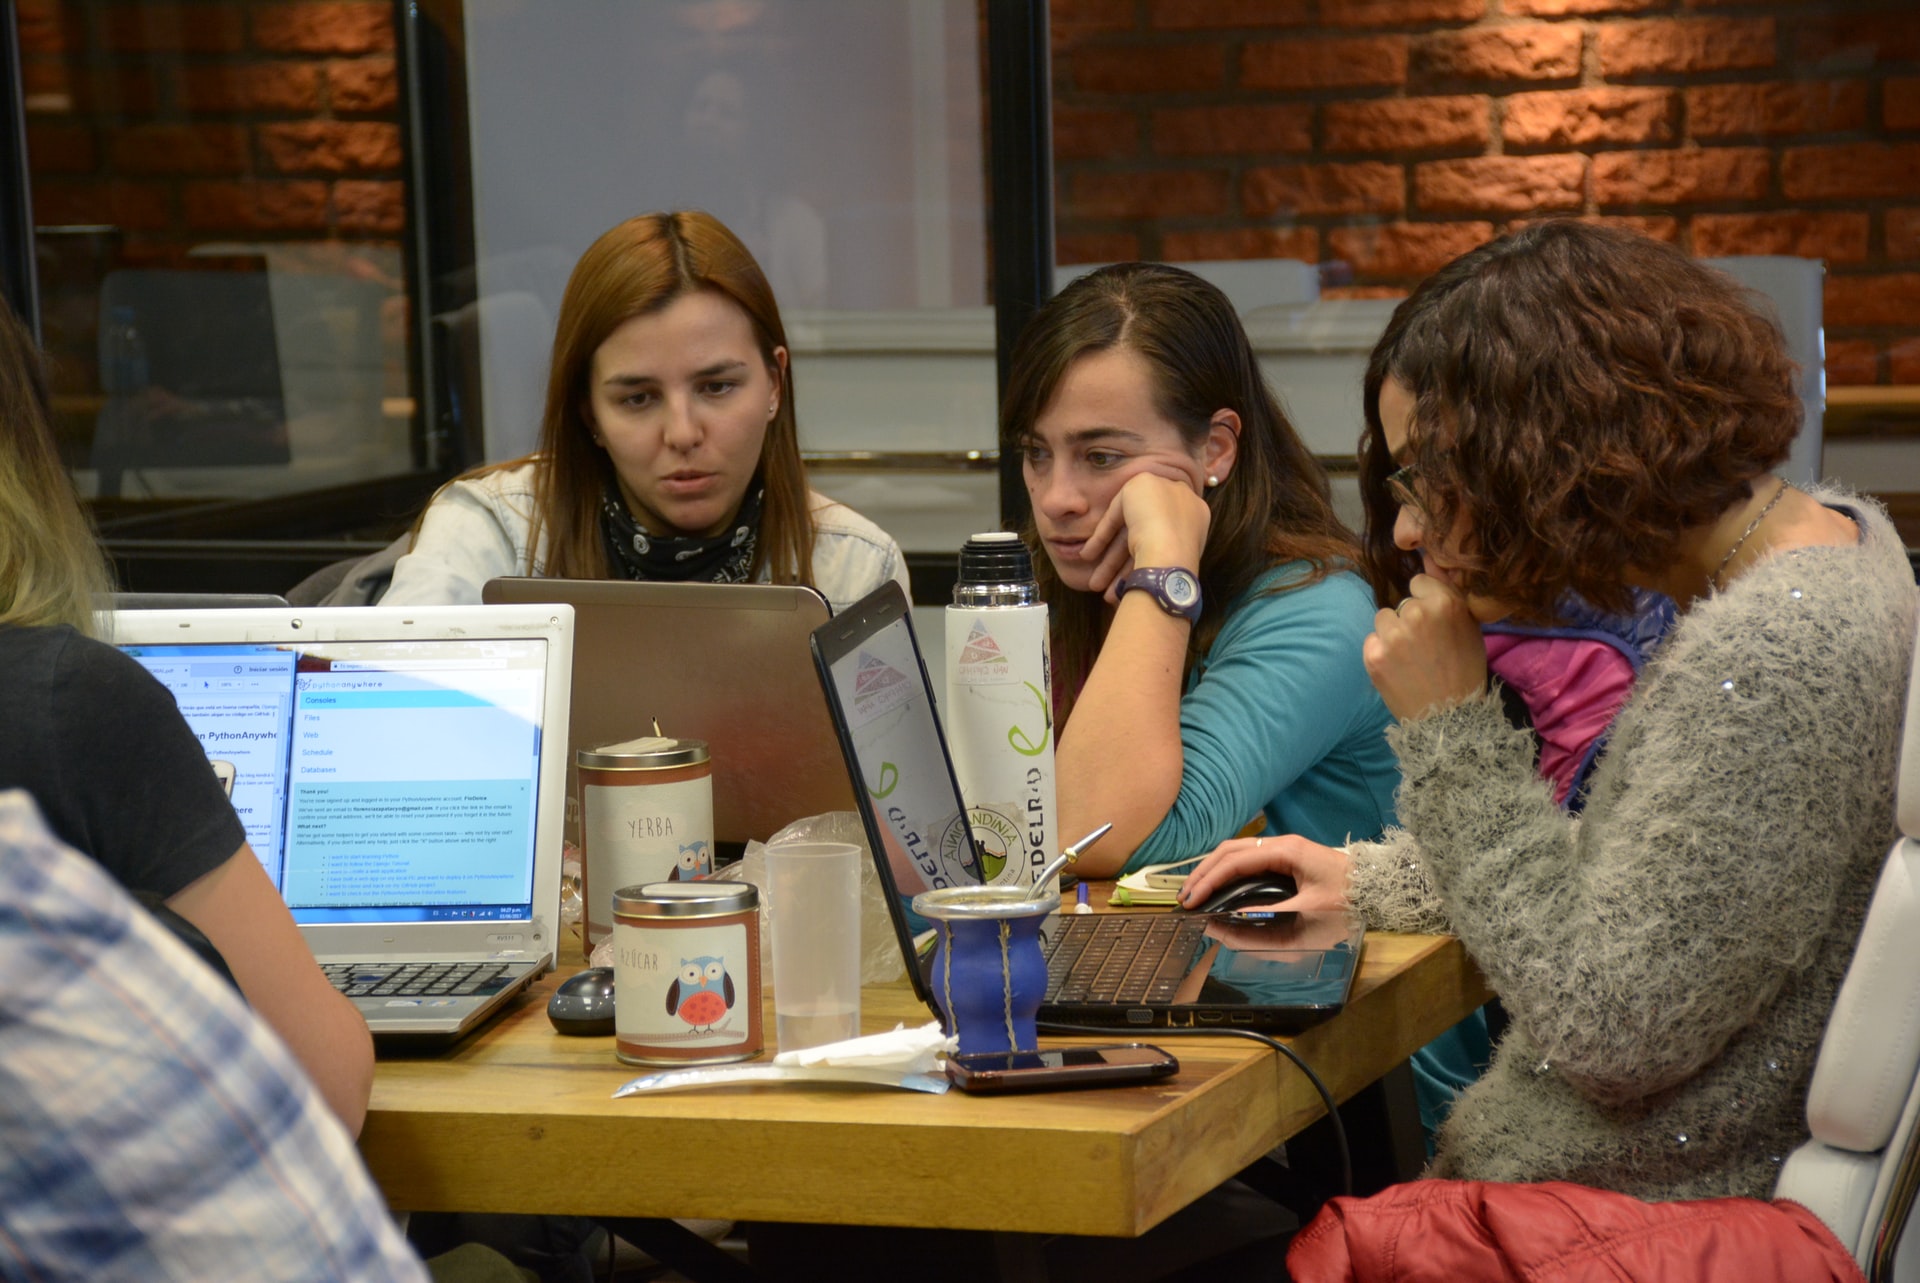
column 583, row 1004
column 1261, row 888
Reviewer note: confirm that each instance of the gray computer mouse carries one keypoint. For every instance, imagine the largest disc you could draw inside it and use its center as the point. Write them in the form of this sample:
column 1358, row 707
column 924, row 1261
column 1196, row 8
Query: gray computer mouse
column 583, row 1004
column 1261, row 888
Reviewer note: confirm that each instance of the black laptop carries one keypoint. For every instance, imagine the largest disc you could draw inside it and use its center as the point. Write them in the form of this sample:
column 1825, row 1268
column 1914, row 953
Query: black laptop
column 1150, row 970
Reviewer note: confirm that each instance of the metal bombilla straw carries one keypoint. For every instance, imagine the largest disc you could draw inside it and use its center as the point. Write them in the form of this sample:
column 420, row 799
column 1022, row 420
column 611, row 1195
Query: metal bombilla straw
column 1042, row 885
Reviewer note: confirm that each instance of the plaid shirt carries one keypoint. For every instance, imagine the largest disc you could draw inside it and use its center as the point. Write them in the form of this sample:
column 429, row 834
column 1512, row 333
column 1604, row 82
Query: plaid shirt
column 150, row 1126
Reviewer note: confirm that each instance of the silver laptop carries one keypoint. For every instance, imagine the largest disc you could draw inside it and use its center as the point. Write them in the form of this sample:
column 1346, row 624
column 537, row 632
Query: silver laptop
column 401, row 775
column 730, row 664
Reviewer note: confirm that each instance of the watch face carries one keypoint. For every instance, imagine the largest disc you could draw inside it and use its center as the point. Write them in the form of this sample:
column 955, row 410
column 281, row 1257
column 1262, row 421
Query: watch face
column 1182, row 590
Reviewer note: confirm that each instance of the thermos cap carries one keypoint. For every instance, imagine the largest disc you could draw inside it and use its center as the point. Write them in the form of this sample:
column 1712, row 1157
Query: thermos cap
column 995, row 558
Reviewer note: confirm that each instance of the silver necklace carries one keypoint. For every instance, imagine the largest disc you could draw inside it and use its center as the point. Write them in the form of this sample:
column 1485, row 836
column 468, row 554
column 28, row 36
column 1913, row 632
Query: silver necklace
column 1752, row 526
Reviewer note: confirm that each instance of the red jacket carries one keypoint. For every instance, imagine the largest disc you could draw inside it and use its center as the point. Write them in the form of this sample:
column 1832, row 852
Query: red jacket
column 1437, row 1231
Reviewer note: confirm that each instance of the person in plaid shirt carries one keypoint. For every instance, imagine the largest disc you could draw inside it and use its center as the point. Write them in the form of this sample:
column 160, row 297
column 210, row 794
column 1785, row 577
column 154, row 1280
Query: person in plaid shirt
column 151, row 1127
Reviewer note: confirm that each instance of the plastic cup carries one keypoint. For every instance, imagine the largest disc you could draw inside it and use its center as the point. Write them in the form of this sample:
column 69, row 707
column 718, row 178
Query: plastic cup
column 815, row 889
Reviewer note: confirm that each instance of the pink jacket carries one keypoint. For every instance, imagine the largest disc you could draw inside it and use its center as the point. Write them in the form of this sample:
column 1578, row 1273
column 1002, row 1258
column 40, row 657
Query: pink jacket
column 1438, row 1231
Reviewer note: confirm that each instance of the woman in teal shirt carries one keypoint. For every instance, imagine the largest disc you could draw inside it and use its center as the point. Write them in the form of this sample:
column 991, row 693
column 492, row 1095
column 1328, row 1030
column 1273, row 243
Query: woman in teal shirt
column 1205, row 613
column 1206, row 620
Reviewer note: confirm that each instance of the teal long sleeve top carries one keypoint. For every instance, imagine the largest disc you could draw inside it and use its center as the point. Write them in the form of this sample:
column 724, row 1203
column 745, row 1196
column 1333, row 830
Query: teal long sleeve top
column 1280, row 719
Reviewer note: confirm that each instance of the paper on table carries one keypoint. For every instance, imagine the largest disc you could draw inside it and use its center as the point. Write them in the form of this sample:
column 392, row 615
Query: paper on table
column 900, row 1047
column 903, row 1057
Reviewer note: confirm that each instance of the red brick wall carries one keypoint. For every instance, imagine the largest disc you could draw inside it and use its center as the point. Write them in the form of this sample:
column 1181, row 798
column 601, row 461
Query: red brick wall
column 1392, row 135
column 188, row 121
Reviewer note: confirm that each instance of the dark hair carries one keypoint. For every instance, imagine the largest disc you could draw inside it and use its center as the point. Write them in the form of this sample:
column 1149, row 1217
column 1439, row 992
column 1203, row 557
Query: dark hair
column 1582, row 395
column 1273, row 507
column 634, row 269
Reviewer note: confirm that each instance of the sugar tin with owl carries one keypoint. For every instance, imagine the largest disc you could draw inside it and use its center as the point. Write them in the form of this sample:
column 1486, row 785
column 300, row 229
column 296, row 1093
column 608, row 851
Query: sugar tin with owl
column 686, row 959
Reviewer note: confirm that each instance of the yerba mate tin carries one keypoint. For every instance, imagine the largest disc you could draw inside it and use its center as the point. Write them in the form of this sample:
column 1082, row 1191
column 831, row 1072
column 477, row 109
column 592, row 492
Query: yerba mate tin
column 646, row 815
column 686, row 973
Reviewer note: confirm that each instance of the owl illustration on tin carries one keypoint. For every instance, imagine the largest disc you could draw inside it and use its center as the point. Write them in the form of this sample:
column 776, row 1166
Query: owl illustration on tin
column 696, row 862
column 702, row 993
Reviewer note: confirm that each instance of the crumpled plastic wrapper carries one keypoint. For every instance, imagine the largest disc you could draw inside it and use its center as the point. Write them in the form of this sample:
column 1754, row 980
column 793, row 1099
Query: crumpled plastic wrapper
column 902, row 1057
column 880, row 961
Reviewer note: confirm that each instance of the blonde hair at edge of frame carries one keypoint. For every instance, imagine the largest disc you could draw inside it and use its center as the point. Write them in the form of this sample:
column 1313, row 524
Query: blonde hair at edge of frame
column 51, row 566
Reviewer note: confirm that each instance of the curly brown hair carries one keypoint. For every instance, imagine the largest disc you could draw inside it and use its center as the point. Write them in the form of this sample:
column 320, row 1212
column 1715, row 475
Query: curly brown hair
column 1582, row 395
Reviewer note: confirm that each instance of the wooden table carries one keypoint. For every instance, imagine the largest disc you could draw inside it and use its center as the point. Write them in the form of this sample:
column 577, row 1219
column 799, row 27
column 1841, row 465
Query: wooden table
column 520, row 1119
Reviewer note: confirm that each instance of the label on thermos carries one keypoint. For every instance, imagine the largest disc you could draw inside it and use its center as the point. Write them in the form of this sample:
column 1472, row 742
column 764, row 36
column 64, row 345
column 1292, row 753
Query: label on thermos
column 999, row 722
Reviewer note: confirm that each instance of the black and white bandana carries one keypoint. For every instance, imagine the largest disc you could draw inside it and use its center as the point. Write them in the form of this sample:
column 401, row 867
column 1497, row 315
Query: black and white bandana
column 725, row 558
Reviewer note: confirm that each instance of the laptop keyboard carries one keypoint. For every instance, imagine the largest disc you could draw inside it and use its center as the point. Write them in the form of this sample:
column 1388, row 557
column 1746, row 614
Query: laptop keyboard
column 416, row 979
column 1121, row 958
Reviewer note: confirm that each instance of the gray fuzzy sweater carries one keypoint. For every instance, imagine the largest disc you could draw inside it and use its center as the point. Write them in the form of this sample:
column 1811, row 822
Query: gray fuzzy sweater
column 1669, row 957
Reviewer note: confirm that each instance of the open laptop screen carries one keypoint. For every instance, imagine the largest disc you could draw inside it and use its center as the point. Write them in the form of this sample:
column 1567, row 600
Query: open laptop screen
column 379, row 781
column 884, row 699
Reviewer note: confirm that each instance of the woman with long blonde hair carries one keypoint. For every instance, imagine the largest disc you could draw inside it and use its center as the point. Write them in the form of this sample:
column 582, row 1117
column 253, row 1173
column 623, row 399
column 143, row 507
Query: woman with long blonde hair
column 115, row 770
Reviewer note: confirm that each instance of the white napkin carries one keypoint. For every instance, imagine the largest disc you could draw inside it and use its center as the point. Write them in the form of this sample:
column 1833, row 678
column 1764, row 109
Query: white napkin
column 910, row 1050
column 902, row 1057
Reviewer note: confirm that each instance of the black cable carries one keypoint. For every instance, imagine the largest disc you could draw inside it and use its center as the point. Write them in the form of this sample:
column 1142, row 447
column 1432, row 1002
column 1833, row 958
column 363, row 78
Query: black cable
column 1138, row 1032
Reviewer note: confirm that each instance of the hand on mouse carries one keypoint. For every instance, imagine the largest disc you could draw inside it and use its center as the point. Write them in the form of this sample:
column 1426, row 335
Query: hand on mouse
column 1320, row 871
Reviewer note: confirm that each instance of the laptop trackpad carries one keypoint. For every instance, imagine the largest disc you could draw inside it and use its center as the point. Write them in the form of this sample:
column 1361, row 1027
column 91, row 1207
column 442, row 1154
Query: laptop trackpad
column 1291, row 960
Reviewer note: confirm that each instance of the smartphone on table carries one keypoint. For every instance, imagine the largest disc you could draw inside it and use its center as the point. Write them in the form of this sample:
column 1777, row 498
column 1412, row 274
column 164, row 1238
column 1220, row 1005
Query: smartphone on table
column 1054, row 1068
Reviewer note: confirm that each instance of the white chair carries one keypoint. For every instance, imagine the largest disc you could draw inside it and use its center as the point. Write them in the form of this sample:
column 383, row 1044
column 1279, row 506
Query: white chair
column 1860, row 1171
column 1794, row 287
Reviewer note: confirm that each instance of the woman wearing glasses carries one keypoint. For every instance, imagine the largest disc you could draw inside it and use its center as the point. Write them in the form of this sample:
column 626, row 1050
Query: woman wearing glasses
column 1206, row 618
column 1578, row 409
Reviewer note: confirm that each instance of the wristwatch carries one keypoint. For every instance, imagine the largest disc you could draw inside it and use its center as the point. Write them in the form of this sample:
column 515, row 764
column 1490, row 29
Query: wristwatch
column 1177, row 591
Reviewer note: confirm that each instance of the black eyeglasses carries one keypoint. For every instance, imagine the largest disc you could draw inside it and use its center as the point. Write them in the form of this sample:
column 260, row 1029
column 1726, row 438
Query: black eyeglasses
column 1400, row 486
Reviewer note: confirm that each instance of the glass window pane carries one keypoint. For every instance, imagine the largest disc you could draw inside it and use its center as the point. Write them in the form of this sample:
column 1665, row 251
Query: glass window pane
column 842, row 140
column 219, row 205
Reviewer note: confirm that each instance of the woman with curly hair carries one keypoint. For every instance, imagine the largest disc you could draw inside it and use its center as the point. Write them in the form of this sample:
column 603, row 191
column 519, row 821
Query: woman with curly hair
column 1577, row 409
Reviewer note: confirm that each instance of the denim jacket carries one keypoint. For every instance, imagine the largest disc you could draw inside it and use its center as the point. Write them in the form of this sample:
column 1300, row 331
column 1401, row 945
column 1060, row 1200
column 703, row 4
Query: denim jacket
column 476, row 530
